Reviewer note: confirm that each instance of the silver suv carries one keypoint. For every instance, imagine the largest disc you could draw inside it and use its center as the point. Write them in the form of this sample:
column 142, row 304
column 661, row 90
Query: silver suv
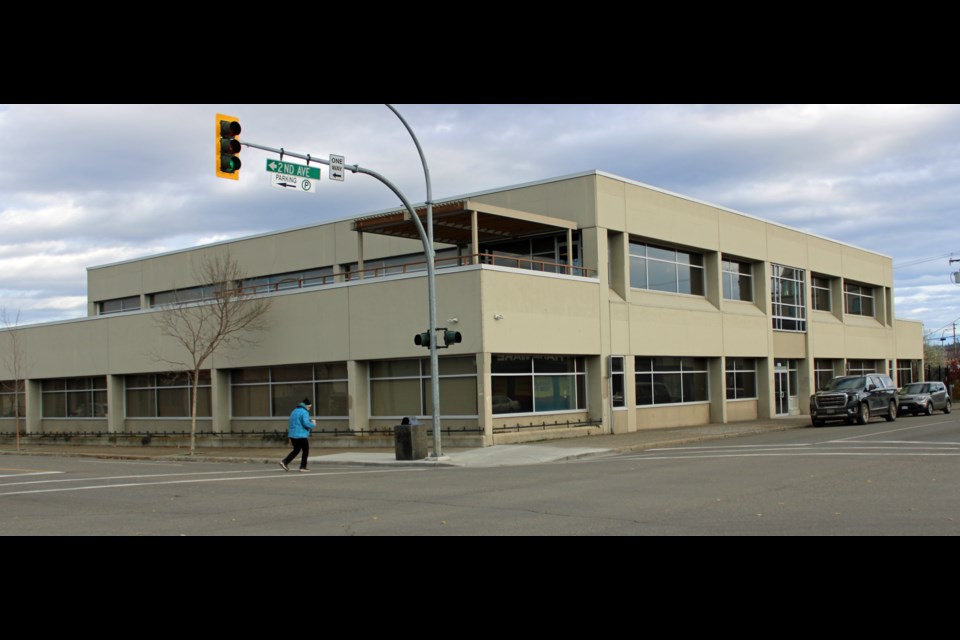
column 855, row 398
column 925, row 397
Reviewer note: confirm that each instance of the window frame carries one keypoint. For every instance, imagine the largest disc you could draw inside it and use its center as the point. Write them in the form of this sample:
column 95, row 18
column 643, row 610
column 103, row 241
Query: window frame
column 781, row 321
column 575, row 373
column 741, row 368
column 816, row 292
column 854, row 297
column 660, row 366
column 734, row 279
column 639, row 250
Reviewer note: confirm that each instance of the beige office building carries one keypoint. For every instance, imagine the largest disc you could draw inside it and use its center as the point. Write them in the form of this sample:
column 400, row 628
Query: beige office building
column 587, row 304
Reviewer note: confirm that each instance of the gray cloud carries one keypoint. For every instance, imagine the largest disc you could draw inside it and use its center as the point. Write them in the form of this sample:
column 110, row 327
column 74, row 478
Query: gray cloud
column 82, row 185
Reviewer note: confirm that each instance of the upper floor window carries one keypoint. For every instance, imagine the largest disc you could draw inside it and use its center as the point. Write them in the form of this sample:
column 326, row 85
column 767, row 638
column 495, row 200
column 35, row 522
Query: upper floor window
column 821, row 294
column 737, row 280
column 786, row 292
column 858, row 299
column 118, row 305
column 664, row 269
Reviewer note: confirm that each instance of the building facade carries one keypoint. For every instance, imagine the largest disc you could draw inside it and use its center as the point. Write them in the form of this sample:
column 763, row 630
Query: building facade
column 587, row 303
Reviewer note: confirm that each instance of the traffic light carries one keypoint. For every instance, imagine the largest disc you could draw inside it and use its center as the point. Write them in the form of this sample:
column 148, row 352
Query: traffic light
column 228, row 146
column 449, row 338
column 422, row 339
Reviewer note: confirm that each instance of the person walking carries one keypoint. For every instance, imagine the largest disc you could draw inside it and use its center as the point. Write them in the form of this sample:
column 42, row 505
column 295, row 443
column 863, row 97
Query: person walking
column 299, row 433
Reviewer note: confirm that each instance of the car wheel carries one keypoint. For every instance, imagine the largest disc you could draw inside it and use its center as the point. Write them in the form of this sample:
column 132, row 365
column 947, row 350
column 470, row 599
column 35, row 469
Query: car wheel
column 947, row 408
column 891, row 412
column 864, row 416
column 928, row 410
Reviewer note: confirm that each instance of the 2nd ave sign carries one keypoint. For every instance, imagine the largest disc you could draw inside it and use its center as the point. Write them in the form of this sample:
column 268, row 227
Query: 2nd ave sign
column 287, row 175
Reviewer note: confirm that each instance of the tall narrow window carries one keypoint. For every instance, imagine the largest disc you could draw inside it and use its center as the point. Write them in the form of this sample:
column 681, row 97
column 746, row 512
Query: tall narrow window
column 821, row 294
column 618, row 384
column 787, row 295
column 737, row 280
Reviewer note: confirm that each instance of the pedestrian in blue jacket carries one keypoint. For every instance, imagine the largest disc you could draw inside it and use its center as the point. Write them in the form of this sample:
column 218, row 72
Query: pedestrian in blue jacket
column 299, row 433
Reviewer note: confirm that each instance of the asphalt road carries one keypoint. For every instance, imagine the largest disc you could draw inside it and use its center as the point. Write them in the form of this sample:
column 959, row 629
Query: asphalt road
column 899, row 478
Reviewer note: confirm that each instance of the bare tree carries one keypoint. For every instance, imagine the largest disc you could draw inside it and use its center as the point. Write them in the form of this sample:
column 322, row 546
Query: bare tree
column 223, row 315
column 12, row 358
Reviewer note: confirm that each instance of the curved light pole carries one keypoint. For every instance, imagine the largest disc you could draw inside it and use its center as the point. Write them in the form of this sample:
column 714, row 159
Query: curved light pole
column 430, row 255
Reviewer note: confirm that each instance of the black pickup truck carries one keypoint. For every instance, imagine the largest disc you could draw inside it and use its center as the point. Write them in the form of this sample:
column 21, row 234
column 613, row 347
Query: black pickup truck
column 855, row 398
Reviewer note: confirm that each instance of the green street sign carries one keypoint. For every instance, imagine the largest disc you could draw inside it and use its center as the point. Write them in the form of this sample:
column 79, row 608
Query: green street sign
column 291, row 169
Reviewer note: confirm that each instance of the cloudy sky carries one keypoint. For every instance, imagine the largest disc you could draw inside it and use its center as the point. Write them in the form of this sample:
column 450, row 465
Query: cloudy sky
column 84, row 185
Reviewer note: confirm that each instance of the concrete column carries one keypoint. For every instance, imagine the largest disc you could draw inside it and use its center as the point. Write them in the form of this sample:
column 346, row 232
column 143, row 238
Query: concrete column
column 617, row 269
column 474, row 237
column 220, row 400
column 766, row 406
column 32, row 425
column 360, row 251
column 358, row 404
column 716, row 370
column 116, row 404
column 570, row 251
column 484, row 397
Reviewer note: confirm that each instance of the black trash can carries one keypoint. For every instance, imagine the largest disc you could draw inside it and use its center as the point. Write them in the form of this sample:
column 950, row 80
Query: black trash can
column 410, row 440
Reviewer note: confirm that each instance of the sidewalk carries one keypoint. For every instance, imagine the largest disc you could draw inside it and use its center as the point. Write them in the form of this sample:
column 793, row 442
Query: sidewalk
column 496, row 456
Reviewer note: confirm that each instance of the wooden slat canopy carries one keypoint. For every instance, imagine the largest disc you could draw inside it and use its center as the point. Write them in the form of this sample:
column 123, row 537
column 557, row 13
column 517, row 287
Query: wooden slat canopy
column 452, row 223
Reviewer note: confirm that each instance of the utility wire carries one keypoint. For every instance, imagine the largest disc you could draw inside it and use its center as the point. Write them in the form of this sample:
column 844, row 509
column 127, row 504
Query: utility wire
column 916, row 261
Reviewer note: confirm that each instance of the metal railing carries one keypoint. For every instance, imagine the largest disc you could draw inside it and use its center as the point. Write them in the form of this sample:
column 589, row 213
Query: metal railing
column 516, row 262
column 547, row 425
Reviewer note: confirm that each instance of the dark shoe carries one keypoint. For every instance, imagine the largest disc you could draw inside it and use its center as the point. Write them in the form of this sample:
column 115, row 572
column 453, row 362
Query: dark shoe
column 283, row 465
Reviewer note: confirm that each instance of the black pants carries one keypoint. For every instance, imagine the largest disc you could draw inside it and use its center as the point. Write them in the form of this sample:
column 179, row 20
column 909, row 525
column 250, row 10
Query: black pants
column 299, row 444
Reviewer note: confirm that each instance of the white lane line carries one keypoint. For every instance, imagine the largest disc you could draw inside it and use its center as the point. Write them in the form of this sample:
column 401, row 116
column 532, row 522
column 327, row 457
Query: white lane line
column 199, row 480
column 793, row 454
column 133, row 477
column 30, row 473
column 880, row 433
column 718, row 447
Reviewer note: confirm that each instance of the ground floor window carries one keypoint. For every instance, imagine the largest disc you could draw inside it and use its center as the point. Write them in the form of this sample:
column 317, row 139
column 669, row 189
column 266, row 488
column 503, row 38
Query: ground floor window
column 741, row 377
column 12, row 397
column 861, row 367
column 670, row 380
column 907, row 371
column 401, row 388
column 273, row 392
column 618, row 382
column 74, row 397
column 823, row 371
column 538, row 384
column 166, row 395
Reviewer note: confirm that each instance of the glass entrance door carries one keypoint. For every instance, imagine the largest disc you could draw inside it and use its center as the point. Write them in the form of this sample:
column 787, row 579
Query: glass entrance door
column 781, row 391
column 786, row 386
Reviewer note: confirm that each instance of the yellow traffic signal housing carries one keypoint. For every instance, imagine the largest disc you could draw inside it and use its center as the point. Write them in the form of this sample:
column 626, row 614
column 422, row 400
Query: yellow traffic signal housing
column 228, row 146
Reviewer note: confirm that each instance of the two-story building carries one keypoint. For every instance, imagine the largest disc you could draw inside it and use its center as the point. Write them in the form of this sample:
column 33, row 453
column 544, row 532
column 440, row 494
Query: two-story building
column 585, row 301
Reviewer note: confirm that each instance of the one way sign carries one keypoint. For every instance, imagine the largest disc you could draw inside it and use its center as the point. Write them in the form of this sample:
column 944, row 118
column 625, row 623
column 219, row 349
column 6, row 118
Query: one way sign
column 336, row 168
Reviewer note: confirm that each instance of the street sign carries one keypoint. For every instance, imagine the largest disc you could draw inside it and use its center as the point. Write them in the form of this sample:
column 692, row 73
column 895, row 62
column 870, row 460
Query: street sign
column 291, row 169
column 287, row 175
column 336, row 167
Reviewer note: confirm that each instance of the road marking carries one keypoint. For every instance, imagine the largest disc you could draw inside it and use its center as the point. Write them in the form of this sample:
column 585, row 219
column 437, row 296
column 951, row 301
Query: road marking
column 27, row 472
column 880, row 433
column 133, row 477
column 795, row 454
column 273, row 476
